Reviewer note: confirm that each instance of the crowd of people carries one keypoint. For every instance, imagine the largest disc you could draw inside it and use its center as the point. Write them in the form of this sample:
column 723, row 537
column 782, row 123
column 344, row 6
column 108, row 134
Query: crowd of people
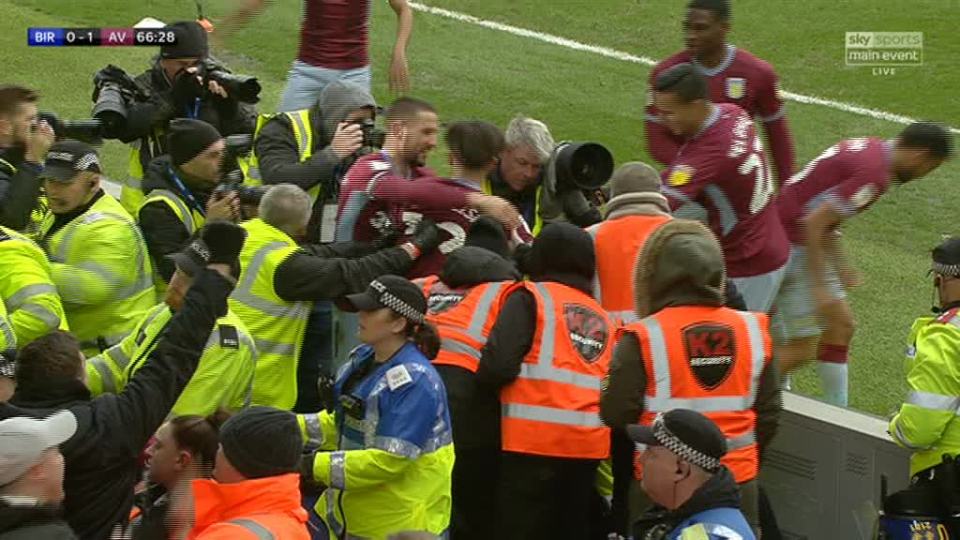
column 317, row 336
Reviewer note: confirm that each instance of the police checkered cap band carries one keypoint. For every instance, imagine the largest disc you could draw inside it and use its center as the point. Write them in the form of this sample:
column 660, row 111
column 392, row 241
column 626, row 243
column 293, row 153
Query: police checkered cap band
column 7, row 367
column 86, row 161
column 396, row 304
column 686, row 452
column 946, row 269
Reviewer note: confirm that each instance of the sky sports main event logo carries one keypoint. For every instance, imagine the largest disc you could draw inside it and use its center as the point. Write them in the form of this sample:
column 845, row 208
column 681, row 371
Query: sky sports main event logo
column 884, row 51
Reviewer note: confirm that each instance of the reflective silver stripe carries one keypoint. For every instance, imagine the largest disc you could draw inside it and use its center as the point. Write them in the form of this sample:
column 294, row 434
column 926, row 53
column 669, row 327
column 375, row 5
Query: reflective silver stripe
column 132, row 182
column 265, row 346
column 338, row 470
column 743, row 441
column 397, row 447
column 593, row 231
column 475, row 330
column 172, row 197
column 314, row 429
column 457, row 347
column 564, row 376
column 106, row 375
column 757, row 353
column 10, row 339
column 703, row 405
column 332, row 495
column 15, row 300
column 253, row 527
column 244, row 292
column 119, row 357
column 933, row 402
column 549, row 336
column 627, row 316
column 898, row 434
column 661, row 363
column 551, row 415
column 48, row 317
column 301, row 128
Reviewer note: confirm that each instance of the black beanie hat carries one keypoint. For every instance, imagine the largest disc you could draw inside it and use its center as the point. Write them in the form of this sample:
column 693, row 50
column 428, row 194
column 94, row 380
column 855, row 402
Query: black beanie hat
column 191, row 41
column 561, row 248
column 188, row 138
column 262, row 441
column 487, row 233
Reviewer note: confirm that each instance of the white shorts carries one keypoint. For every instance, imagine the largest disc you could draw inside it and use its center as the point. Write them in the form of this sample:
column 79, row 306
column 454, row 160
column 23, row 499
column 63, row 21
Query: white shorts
column 760, row 291
column 795, row 315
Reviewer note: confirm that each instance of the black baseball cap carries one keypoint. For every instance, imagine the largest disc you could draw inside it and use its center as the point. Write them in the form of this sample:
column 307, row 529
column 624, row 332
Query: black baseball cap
column 689, row 434
column 192, row 259
column 66, row 158
column 946, row 257
column 394, row 292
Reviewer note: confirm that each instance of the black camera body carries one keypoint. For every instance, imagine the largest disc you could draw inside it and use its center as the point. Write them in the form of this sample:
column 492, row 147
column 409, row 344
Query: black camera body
column 88, row 130
column 245, row 88
column 373, row 138
column 233, row 183
column 113, row 89
column 580, row 165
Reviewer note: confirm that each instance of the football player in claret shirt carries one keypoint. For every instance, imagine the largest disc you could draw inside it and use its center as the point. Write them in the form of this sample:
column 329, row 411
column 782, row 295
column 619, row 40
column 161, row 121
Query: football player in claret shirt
column 721, row 170
column 842, row 182
column 734, row 76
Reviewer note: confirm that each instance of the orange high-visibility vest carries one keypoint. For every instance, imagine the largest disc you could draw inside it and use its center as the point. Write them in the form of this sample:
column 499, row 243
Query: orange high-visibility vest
column 677, row 340
column 553, row 407
column 463, row 318
column 617, row 244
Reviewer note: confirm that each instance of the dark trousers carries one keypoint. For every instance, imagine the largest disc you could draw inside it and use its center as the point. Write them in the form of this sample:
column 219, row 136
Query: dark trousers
column 316, row 358
column 544, row 497
column 474, row 493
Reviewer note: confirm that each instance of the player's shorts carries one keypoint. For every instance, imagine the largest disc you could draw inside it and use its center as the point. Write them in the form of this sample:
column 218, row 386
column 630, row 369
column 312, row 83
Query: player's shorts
column 759, row 292
column 795, row 309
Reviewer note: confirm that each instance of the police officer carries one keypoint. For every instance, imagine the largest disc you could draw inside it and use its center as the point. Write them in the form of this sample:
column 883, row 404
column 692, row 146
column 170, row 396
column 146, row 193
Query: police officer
column 99, row 261
column 926, row 423
column 696, row 495
column 26, row 287
column 701, row 355
column 179, row 189
column 224, row 377
column 23, row 146
column 174, row 87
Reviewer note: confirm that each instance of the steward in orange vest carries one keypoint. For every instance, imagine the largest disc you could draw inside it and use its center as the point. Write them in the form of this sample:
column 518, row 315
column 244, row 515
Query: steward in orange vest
column 636, row 208
column 463, row 304
column 689, row 351
column 549, row 350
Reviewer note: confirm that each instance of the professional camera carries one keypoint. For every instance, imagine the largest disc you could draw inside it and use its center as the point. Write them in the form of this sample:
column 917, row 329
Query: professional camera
column 572, row 175
column 243, row 88
column 232, row 180
column 89, row 130
column 373, row 138
column 113, row 89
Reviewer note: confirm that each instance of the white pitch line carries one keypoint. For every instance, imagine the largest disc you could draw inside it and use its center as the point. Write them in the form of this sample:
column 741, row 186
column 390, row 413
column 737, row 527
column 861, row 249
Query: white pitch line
column 647, row 61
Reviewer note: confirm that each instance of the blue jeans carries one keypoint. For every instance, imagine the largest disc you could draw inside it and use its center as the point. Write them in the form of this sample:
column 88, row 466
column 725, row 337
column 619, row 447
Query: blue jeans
column 306, row 82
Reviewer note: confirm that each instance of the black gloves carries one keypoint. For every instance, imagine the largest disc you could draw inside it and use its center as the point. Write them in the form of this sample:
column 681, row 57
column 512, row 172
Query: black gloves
column 186, row 88
column 387, row 239
column 427, row 236
column 224, row 240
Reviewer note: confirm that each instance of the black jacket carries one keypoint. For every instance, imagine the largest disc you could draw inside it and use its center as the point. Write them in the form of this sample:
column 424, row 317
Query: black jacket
column 112, row 429
column 474, row 409
column 526, row 202
column 32, row 523
column 154, row 107
column 324, row 272
column 163, row 231
column 719, row 492
column 19, row 188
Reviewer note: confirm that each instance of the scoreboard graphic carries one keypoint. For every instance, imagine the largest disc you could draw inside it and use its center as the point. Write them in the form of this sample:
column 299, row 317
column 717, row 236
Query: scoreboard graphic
column 100, row 37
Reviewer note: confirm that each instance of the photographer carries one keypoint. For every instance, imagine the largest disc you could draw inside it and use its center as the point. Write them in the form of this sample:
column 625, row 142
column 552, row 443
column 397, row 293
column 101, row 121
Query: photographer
column 305, row 147
column 23, row 146
column 519, row 178
column 179, row 190
column 182, row 83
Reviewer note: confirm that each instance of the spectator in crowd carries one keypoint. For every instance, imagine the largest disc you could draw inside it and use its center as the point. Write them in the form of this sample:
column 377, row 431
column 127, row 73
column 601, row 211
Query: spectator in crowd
column 99, row 261
column 684, row 475
column 280, row 280
column 546, row 354
column 700, row 353
column 839, row 184
column 519, row 176
column 306, row 147
column 377, row 189
column 334, row 45
column 463, row 304
column 102, row 465
column 386, row 450
column 926, row 422
column 184, row 449
column 179, row 189
column 27, row 289
column 23, row 146
column 176, row 87
column 31, row 477
column 255, row 490
column 635, row 209
column 733, row 76
column 722, row 172
column 224, row 376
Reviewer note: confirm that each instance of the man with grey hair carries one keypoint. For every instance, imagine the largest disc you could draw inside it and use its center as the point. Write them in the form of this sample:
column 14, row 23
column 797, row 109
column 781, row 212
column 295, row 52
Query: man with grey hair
column 518, row 176
column 280, row 280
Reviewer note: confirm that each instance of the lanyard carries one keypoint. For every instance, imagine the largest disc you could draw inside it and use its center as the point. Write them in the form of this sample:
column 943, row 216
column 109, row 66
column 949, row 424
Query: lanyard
column 191, row 200
column 196, row 109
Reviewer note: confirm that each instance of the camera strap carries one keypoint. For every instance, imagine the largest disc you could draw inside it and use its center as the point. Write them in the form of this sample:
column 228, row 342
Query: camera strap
column 195, row 112
column 182, row 188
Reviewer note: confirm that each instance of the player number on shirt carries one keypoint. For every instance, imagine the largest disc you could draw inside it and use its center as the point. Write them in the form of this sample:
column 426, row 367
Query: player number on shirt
column 763, row 183
column 827, row 154
column 457, row 235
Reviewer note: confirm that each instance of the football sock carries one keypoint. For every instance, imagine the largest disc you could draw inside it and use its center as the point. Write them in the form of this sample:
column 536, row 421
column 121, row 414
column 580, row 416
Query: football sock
column 832, row 367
